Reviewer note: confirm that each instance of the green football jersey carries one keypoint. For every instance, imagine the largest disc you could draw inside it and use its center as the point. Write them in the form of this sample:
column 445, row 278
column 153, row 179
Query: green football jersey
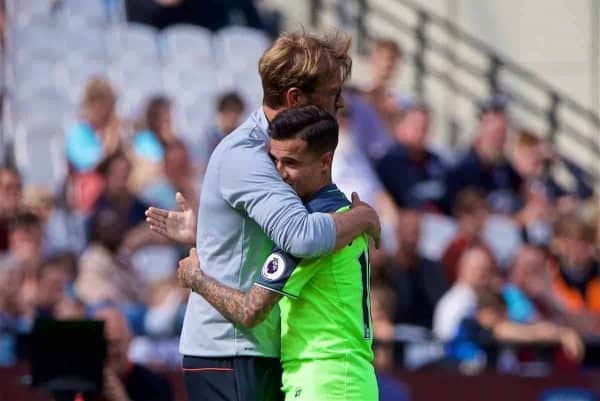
column 326, row 309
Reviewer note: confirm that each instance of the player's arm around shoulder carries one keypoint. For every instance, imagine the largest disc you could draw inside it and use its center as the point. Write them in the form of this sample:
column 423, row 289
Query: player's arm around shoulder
column 248, row 181
column 244, row 308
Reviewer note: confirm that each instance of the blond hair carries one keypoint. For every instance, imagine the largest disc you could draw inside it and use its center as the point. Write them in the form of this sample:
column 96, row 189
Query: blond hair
column 527, row 138
column 304, row 61
column 98, row 90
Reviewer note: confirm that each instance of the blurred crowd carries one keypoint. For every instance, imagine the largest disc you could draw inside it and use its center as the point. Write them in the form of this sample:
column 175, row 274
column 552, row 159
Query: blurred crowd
column 495, row 243
column 498, row 243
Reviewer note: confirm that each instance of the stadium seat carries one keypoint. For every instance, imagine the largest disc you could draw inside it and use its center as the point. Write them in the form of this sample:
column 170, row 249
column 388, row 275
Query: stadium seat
column 90, row 42
column 135, row 81
column 21, row 12
column 77, row 71
column 39, row 155
column 42, row 39
column 194, row 90
column 239, row 48
column 33, row 76
column 248, row 84
column 503, row 237
column 190, row 80
column 437, row 232
column 192, row 115
column 132, row 39
column 187, row 43
column 79, row 13
column 46, row 102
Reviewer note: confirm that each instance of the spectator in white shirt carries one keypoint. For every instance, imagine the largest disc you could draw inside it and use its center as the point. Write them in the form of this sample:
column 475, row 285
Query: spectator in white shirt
column 475, row 275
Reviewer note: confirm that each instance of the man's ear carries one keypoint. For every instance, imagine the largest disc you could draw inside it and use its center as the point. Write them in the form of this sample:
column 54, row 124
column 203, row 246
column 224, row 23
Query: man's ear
column 294, row 97
column 326, row 160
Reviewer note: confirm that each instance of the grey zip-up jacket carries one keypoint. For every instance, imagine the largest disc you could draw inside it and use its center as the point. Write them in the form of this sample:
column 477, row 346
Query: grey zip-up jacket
column 246, row 208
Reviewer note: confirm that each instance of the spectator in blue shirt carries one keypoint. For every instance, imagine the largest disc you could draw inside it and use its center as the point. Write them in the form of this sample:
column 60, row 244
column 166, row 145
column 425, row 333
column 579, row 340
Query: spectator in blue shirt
column 96, row 135
column 148, row 145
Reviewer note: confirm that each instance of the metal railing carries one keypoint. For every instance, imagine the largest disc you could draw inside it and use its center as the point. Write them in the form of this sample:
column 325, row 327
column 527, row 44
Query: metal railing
column 562, row 115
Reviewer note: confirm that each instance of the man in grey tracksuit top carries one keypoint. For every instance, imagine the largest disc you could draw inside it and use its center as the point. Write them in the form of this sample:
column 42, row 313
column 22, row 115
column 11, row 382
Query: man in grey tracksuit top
column 245, row 209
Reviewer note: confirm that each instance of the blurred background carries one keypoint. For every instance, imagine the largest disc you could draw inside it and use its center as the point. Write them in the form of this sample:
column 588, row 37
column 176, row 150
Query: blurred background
column 472, row 127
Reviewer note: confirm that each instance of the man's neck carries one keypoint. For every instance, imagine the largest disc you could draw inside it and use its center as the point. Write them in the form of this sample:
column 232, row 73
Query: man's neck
column 309, row 197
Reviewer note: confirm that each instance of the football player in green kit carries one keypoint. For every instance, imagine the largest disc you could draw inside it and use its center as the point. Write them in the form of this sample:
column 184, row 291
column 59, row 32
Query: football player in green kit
column 326, row 333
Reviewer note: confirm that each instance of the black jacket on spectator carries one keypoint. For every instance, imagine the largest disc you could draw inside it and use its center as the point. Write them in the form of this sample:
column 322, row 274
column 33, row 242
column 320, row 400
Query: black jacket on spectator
column 131, row 216
column 413, row 183
column 212, row 14
column 501, row 182
column 418, row 290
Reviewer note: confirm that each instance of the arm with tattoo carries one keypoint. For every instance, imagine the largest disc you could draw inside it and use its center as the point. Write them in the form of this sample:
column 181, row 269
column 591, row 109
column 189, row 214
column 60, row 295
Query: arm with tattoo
column 245, row 308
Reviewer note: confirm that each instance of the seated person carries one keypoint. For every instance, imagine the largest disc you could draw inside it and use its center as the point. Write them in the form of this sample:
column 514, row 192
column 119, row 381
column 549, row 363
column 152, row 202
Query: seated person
column 91, row 140
column 385, row 58
column 148, row 144
column 229, row 112
column 97, row 134
column 15, row 313
column 25, row 243
column 413, row 175
column 575, row 270
column 471, row 213
column 54, row 278
column 103, row 276
column 474, row 303
column 529, row 294
column 370, row 133
column 178, row 176
column 10, row 200
column 485, row 167
column 534, row 160
column 118, row 198
column 124, row 380
column 352, row 171
column 382, row 313
column 419, row 282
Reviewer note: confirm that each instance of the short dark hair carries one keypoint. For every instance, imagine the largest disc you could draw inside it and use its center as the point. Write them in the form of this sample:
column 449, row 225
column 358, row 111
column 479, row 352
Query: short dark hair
column 572, row 226
column 155, row 105
column 104, row 166
column 24, row 220
column 497, row 104
column 107, row 228
column 467, row 201
column 311, row 124
column 230, row 100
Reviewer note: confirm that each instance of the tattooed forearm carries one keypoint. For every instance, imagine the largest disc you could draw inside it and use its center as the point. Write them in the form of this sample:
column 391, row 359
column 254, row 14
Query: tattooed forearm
column 245, row 308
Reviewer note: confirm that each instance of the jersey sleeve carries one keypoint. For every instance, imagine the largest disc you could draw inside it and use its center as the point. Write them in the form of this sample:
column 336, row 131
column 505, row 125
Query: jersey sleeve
column 285, row 274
